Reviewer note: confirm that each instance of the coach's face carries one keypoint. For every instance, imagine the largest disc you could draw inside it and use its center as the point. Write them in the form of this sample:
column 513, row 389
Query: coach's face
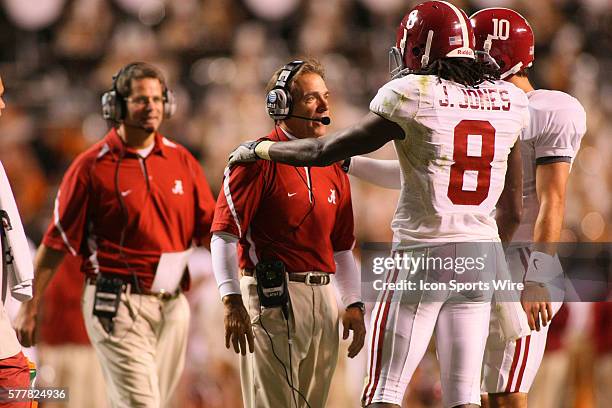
column 145, row 105
column 311, row 100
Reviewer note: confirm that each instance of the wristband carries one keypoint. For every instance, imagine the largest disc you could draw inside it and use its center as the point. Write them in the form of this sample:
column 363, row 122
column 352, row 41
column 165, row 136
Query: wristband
column 541, row 268
column 346, row 165
column 360, row 305
column 262, row 148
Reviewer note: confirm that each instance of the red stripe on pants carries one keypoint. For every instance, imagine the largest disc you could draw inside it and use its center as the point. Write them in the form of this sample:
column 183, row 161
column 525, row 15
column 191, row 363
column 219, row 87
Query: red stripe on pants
column 517, row 352
column 375, row 375
column 525, row 354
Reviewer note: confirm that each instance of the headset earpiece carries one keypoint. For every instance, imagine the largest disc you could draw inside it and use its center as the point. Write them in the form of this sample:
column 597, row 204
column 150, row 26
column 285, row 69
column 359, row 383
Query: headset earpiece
column 279, row 104
column 113, row 103
column 169, row 103
column 111, row 108
column 278, row 101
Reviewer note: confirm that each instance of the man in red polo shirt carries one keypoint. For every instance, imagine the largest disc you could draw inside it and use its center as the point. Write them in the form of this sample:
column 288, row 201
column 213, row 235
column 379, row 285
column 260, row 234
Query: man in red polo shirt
column 131, row 206
column 300, row 218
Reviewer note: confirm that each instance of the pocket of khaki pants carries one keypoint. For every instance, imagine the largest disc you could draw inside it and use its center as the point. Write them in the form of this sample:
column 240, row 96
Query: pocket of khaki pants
column 272, row 317
column 122, row 323
column 273, row 320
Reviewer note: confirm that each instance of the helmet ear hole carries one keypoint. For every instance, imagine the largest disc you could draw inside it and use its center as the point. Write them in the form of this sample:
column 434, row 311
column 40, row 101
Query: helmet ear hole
column 416, row 51
column 504, row 62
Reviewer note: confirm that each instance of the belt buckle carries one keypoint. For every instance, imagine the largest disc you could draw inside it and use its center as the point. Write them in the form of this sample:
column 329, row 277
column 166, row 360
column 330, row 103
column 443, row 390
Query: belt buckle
column 162, row 295
column 320, row 279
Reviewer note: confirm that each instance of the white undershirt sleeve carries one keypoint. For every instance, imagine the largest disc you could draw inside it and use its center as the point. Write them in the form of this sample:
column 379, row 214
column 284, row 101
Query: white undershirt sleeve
column 347, row 278
column 382, row 173
column 225, row 262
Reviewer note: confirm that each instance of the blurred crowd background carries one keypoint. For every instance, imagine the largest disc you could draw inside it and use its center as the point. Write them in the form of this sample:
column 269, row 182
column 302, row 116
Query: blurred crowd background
column 58, row 56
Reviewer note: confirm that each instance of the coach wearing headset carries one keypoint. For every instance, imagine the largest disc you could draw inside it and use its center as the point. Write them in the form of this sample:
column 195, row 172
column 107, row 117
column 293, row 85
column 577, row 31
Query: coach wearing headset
column 288, row 226
column 131, row 206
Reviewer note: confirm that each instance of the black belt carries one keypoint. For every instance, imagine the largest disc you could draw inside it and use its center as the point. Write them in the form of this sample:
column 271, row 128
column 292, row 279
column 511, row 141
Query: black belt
column 138, row 289
column 309, row 278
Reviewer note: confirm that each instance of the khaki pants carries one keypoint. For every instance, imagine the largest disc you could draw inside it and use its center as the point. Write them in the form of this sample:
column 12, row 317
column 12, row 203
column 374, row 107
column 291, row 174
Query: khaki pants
column 75, row 367
column 603, row 380
column 143, row 358
column 313, row 325
column 549, row 389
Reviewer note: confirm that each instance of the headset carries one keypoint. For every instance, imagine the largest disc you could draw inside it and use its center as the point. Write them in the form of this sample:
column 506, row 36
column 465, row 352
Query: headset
column 278, row 101
column 113, row 103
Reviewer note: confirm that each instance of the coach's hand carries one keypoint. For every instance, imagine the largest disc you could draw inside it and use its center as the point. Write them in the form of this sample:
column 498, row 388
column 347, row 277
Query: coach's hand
column 535, row 300
column 237, row 322
column 25, row 323
column 352, row 319
column 245, row 153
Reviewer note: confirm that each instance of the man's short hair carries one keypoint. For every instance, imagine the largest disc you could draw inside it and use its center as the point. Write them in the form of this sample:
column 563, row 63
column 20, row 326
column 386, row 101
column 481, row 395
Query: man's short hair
column 137, row 70
column 310, row 66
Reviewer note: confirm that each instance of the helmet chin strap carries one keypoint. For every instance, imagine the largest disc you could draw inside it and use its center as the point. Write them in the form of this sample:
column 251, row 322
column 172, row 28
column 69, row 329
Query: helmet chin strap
column 396, row 63
column 516, row 68
column 486, row 51
column 488, row 43
column 425, row 57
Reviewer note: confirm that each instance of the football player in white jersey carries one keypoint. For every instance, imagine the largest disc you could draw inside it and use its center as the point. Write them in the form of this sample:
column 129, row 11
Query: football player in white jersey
column 548, row 147
column 455, row 128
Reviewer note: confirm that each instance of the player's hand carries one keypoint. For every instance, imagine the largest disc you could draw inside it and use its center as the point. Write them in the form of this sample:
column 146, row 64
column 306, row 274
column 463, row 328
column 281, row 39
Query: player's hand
column 245, row 153
column 237, row 322
column 25, row 324
column 352, row 319
column 535, row 300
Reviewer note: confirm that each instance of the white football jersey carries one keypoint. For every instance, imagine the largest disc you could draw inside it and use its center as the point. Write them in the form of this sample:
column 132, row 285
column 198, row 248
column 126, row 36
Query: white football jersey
column 557, row 124
column 454, row 156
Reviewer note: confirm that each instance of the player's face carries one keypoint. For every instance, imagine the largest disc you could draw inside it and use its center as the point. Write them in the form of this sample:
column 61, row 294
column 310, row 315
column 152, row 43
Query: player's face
column 2, row 104
column 312, row 101
column 145, row 105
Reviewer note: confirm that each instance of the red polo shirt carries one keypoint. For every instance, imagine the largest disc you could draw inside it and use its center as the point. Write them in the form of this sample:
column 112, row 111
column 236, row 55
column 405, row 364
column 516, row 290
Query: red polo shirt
column 300, row 215
column 602, row 327
column 62, row 319
column 120, row 211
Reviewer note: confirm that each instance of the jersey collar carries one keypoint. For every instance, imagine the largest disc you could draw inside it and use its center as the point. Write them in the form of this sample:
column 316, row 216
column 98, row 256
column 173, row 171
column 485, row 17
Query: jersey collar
column 116, row 145
column 280, row 135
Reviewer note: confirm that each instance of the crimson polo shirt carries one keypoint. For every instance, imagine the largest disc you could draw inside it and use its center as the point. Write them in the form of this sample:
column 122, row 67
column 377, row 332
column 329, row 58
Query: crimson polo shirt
column 120, row 211
column 61, row 321
column 275, row 214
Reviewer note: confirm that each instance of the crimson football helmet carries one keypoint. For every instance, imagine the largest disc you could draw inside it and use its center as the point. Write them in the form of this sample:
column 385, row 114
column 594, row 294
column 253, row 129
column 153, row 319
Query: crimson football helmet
column 506, row 37
column 430, row 31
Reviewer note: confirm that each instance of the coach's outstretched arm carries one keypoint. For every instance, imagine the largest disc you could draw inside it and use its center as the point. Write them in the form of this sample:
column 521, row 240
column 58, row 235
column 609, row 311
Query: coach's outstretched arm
column 45, row 264
column 371, row 133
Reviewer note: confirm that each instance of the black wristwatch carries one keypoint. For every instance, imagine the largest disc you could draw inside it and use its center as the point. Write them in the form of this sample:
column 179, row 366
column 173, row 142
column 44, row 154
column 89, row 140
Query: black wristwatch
column 359, row 304
column 346, row 165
